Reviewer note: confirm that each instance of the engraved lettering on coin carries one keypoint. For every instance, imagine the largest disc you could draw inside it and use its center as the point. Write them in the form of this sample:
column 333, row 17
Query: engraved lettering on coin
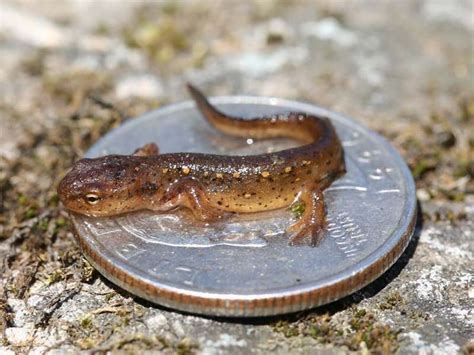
column 348, row 234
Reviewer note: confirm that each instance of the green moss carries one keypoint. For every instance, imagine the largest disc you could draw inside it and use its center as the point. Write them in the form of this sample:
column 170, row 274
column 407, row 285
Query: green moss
column 465, row 167
column 439, row 152
column 199, row 54
column 88, row 272
column 321, row 329
column 54, row 277
column 30, row 212
column 359, row 313
column 74, row 86
column 445, row 214
column 170, row 7
column 392, row 301
column 86, row 322
column 466, row 107
column 363, row 329
column 377, row 337
column 102, row 29
column 162, row 40
column 454, row 217
column 264, row 10
column 186, row 347
column 110, row 295
column 421, row 167
column 23, row 200
column 297, row 209
column 42, row 225
column 285, row 328
column 53, row 200
column 456, row 196
column 61, row 222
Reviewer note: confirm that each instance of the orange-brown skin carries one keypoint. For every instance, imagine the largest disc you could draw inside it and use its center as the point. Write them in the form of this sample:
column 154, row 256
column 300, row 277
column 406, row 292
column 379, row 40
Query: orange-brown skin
column 214, row 185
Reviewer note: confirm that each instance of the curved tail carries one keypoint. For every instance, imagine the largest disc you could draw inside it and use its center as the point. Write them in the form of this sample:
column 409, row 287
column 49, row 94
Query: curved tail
column 300, row 126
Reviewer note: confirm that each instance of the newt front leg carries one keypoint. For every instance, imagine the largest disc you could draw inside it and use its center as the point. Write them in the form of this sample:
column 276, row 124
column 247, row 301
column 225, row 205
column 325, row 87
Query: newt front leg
column 311, row 225
column 147, row 150
column 189, row 193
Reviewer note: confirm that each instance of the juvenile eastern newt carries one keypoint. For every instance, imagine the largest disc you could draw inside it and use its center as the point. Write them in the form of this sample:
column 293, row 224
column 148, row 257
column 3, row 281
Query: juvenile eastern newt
column 212, row 186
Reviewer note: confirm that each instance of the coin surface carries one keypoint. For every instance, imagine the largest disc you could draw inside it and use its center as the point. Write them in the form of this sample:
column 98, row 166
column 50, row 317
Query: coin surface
column 245, row 267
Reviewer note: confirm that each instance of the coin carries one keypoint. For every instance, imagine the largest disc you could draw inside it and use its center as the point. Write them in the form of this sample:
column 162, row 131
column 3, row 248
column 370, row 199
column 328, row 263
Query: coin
column 245, row 267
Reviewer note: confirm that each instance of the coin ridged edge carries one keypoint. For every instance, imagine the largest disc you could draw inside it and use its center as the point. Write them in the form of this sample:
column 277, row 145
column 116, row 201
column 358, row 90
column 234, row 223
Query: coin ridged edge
column 244, row 307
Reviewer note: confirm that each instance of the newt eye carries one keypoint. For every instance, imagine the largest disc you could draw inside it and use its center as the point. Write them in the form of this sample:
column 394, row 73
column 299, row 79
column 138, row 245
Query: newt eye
column 92, row 199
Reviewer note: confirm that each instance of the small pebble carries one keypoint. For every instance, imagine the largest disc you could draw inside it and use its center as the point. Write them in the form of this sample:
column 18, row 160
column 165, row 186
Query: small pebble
column 5, row 351
column 18, row 336
column 145, row 86
column 423, row 195
column 178, row 329
column 156, row 322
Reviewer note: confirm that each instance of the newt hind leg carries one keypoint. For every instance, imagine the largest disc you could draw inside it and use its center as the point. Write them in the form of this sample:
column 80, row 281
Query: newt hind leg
column 310, row 228
column 189, row 193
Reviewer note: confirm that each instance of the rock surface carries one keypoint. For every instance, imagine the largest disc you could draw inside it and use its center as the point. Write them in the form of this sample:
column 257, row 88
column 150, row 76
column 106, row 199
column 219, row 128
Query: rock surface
column 70, row 71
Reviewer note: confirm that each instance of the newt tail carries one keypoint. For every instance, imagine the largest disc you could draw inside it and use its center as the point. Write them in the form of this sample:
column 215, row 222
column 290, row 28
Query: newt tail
column 214, row 185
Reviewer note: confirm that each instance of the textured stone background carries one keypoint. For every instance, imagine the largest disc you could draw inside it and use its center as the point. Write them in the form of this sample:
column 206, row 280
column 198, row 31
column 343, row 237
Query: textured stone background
column 72, row 70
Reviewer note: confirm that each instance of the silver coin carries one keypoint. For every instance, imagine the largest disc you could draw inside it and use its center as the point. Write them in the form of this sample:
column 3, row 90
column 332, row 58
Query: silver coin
column 245, row 267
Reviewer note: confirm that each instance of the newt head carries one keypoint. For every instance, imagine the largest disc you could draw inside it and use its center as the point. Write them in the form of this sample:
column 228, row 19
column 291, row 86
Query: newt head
column 102, row 186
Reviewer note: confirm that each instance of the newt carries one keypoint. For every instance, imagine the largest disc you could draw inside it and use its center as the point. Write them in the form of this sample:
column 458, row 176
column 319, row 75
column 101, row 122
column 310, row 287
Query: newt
column 214, row 186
